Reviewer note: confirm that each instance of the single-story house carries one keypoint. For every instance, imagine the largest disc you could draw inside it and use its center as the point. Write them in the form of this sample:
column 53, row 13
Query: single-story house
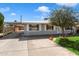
column 39, row 28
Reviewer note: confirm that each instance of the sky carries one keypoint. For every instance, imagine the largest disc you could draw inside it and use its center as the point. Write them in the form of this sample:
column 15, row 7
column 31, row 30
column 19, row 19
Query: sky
column 31, row 11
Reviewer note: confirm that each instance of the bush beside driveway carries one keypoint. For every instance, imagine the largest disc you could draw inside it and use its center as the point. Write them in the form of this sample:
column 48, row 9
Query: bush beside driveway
column 71, row 43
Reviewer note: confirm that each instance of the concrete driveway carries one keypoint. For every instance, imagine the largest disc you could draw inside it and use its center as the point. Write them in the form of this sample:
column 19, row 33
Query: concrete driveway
column 21, row 46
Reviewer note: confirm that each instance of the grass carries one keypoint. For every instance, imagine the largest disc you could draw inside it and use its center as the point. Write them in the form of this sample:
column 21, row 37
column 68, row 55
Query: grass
column 71, row 38
column 74, row 51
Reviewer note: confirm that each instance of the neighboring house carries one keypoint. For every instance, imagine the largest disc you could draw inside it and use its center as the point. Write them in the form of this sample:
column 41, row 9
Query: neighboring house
column 39, row 28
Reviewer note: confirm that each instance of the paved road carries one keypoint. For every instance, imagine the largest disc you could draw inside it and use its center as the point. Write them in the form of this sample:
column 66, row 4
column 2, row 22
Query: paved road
column 21, row 46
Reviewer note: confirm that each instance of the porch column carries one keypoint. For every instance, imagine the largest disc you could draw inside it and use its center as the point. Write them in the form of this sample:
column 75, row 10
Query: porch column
column 40, row 27
column 54, row 28
column 45, row 27
column 74, row 29
column 27, row 27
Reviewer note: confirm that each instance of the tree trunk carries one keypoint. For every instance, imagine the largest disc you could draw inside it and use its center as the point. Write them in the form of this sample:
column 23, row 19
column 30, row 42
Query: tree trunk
column 62, row 31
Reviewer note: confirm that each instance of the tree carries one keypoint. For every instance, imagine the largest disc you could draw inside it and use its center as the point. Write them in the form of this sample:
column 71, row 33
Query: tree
column 63, row 17
column 1, row 22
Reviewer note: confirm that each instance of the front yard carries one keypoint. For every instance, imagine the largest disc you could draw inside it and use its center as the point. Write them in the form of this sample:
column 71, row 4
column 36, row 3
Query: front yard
column 71, row 43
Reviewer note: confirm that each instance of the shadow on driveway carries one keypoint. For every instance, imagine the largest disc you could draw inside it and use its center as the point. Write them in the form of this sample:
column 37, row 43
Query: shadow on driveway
column 10, row 36
column 20, row 36
column 33, row 37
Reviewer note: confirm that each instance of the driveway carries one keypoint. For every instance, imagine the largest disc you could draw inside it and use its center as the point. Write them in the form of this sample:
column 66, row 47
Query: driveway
column 21, row 46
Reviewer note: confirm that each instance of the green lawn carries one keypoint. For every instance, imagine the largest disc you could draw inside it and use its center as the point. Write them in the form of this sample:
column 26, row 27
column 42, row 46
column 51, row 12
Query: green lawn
column 73, row 39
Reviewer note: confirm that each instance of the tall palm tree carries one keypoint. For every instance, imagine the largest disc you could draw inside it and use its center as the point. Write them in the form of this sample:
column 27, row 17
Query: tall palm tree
column 1, row 22
column 63, row 17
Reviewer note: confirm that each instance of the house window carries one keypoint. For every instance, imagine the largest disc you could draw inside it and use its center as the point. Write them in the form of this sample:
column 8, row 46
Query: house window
column 21, row 28
column 49, row 27
column 68, row 28
column 33, row 27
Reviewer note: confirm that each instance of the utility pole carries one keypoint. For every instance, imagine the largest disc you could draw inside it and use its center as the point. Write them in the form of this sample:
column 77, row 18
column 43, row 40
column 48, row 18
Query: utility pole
column 21, row 18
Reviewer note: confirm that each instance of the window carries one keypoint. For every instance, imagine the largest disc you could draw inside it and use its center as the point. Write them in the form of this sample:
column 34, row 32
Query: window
column 49, row 27
column 33, row 27
column 21, row 28
column 68, row 28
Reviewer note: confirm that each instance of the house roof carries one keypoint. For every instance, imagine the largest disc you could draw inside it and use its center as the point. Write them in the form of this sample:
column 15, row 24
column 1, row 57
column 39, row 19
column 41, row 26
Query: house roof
column 36, row 21
column 30, row 22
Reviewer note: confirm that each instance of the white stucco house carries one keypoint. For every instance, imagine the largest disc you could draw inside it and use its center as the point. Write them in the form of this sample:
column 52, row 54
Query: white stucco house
column 39, row 28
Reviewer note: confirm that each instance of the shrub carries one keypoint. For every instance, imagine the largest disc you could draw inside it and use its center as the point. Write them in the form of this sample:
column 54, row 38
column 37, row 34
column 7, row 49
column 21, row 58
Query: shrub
column 65, row 42
column 76, row 45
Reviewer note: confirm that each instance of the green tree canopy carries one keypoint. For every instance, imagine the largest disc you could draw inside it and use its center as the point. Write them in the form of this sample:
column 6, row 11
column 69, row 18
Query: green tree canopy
column 1, row 22
column 63, row 17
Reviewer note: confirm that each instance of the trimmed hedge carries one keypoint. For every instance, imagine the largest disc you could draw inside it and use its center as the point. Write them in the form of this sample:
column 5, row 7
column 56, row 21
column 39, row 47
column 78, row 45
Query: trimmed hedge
column 65, row 42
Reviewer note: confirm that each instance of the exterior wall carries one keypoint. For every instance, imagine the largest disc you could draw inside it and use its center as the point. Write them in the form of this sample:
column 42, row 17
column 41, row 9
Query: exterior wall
column 16, row 29
column 39, row 32
column 42, row 30
column 43, row 27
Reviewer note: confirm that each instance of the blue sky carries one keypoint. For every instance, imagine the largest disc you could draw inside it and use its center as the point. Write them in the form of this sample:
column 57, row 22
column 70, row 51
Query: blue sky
column 30, row 11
